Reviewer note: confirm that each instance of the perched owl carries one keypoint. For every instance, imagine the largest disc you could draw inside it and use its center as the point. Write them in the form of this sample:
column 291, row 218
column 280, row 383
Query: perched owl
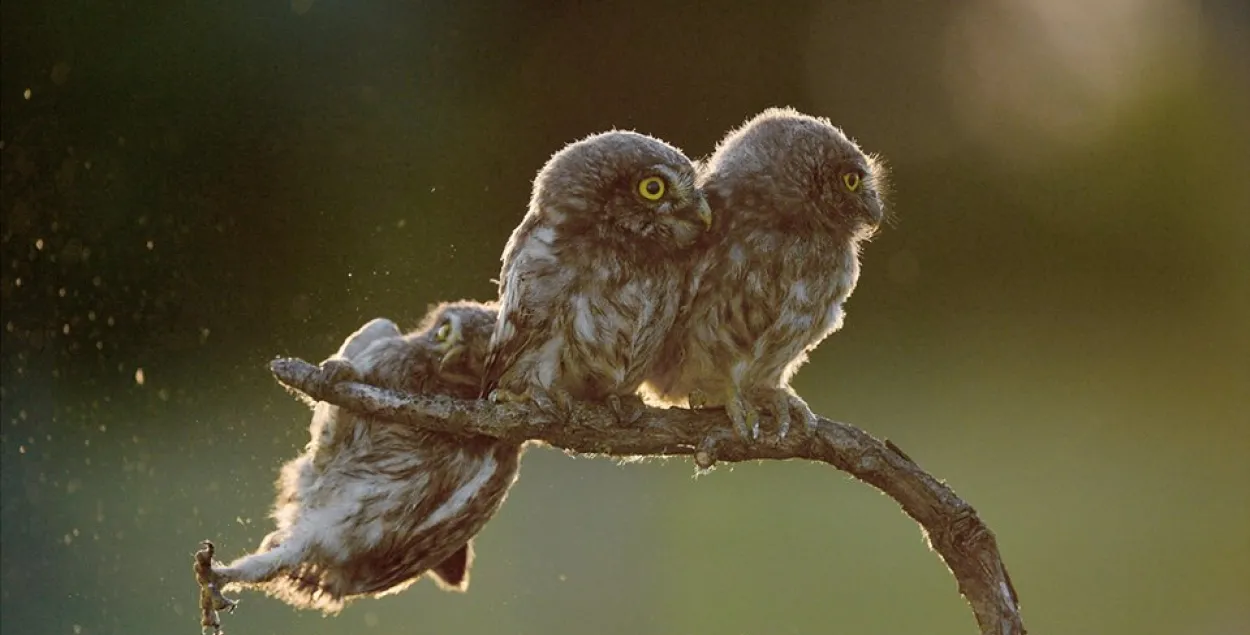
column 371, row 505
column 591, row 278
column 794, row 199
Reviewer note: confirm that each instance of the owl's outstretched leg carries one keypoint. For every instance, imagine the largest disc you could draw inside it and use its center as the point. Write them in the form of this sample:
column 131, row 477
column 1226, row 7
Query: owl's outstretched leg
column 266, row 565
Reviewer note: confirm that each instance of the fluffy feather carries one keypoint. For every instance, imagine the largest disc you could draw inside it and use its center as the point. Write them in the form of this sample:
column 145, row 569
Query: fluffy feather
column 372, row 505
column 782, row 261
column 591, row 277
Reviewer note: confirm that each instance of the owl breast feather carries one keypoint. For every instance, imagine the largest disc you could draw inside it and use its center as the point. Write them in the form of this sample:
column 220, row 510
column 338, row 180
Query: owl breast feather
column 614, row 334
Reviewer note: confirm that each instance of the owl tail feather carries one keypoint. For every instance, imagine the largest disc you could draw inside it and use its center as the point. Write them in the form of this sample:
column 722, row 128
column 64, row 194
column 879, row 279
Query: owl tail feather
column 452, row 574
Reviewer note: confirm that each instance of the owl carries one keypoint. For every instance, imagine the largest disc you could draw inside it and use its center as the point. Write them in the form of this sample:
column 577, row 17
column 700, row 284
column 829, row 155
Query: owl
column 794, row 199
column 591, row 278
column 372, row 505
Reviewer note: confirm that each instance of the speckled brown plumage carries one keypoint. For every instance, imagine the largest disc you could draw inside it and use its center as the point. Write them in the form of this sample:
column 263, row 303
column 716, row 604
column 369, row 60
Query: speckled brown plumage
column 372, row 505
column 591, row 277
column 794, row 198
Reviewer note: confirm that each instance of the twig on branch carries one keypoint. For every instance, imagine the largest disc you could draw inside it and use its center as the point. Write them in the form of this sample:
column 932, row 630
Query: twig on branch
column 952, row 526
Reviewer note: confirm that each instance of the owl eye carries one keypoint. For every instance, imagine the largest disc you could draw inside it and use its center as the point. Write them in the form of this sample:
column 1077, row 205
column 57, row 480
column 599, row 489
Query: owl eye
column 852, row 181
column 651, row 188
column 443, row 332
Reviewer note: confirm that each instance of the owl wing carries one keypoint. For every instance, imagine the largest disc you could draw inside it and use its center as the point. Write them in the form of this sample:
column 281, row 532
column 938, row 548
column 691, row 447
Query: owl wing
column 518, row 325
column 376, row 329
column 510, row 337
column 453, row 572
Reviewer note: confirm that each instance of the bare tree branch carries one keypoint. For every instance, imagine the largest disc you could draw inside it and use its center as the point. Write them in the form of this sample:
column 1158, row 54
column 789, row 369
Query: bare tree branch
column 952, row 526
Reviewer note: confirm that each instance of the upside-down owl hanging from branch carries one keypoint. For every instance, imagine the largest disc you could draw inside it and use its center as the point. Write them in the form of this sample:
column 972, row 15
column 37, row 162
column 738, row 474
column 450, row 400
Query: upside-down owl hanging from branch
column 372, row 505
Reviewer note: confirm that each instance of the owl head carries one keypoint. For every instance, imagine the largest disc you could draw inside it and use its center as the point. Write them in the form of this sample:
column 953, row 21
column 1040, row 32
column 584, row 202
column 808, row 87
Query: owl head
column 803, row 166
column 459, row 333
column 624, row 190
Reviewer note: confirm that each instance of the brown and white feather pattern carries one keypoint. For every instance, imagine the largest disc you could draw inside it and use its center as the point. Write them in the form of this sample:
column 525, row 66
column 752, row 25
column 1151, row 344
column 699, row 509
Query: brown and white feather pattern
column 783, row 259
column 372, row 505
column 591, row 278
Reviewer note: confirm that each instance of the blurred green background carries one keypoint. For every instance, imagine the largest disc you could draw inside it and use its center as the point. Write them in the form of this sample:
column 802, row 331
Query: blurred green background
column 1058, row 325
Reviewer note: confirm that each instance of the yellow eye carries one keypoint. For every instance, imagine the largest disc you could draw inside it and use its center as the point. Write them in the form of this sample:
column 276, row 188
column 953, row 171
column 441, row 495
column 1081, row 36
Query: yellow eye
column 851, row 181
column 443, row 332
column 651, row 188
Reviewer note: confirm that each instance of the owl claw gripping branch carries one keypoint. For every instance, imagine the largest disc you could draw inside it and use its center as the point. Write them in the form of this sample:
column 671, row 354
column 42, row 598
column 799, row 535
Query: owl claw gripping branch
column 555, row 404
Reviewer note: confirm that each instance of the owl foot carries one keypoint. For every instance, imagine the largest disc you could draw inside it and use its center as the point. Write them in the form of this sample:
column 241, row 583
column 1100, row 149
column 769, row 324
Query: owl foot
column 556, row 404
column 627, row 408
column 745, row 417
column 785, row 406
column 697, row 399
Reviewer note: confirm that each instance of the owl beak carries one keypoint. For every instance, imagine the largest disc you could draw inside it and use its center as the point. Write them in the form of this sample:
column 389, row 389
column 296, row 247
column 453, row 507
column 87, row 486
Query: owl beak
column 450, row 357
column 704, row 212
column 876, row 215
column 453, row 348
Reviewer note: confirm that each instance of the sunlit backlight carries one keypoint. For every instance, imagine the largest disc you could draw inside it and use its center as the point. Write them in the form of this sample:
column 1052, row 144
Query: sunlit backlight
column 1026, row 76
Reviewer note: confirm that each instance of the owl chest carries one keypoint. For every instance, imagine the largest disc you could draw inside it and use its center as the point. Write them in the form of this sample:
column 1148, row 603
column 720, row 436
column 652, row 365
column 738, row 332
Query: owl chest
column 799, row 288
column 613, row 334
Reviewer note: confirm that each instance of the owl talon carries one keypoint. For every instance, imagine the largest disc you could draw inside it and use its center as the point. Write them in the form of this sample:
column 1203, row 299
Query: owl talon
column 810, row 421
column 781, row 412
column 785, row 406
column 697, row 399
column 627, row 409
column 746, row 420
column 556, row 404
column 545, row 403
column 796, row 406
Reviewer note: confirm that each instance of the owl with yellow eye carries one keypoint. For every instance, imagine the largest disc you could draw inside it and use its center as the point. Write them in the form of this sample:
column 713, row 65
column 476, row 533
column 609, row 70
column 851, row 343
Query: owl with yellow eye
column 795, row 199
column 592, row 277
